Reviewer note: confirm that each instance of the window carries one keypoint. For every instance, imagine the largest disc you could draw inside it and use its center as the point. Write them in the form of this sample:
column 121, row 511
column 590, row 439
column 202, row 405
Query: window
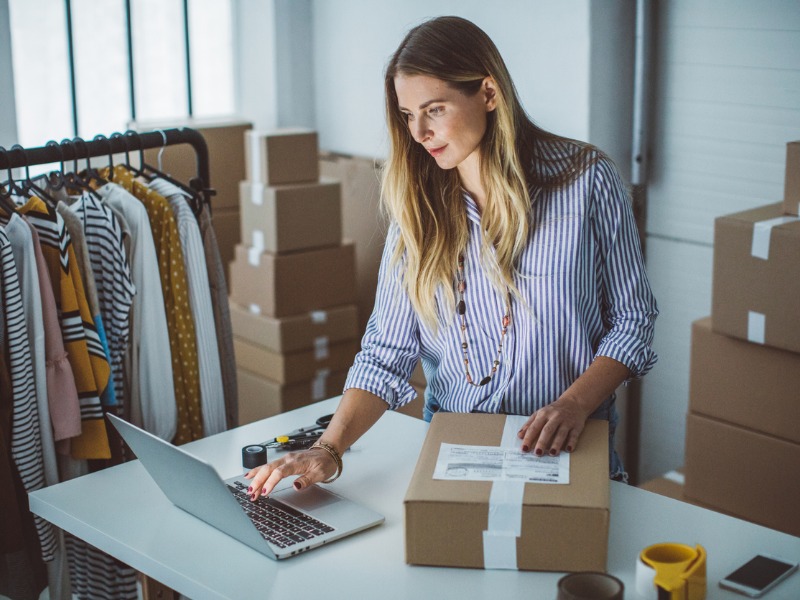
column 84, row 67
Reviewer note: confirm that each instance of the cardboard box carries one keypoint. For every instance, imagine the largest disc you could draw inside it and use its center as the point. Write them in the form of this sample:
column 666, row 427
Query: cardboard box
column 225, row 155
column 445, row 520
column 362, row 221
column 744, row 473
column 756, row 282
column 281, row 285
column 670, row 485
column 746, row 384
column 791, row 189
column 294, row 367
column 314, row 330
column 260, row 398
column 281, row 156
column 291, row 217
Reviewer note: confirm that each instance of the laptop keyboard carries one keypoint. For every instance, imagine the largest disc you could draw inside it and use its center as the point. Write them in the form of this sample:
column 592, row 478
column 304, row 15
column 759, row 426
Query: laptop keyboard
column 277, row 522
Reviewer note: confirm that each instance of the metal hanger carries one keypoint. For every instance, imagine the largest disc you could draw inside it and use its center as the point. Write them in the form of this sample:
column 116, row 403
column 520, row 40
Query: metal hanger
column 28, row 186
column 100, row 137
column 74, row 180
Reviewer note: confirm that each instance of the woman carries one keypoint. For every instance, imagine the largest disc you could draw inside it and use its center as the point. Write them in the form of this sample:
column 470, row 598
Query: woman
column 512, row 264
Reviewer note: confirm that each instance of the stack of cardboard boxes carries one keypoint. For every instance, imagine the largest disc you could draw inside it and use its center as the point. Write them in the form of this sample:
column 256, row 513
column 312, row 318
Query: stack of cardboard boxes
column 292, row 280
column 742, row 438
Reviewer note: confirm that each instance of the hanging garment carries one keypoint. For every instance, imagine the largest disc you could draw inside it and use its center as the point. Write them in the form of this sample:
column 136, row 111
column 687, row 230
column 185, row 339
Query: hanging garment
column 86, row 354
column 75, row 230
column 222, row 318
column 115, row 289
column 26, row 444
column 62, row 395
column 151, row 401
column 41, row 315
column 211, row 392
column 63, row 405
column 180, row 323
column 21, row 239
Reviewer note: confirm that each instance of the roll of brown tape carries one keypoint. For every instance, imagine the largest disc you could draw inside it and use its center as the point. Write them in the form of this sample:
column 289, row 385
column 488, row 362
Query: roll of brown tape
column 590, row 586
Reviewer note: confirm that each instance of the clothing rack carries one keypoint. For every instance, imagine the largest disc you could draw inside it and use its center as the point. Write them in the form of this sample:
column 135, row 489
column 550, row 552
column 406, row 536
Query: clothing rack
column 100, row 146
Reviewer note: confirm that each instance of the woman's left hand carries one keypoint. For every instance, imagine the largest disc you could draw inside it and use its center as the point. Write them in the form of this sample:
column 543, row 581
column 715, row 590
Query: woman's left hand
column 554, row 428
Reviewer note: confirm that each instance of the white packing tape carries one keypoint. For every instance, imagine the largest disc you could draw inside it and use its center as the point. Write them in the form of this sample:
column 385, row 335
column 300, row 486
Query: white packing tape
column 762, row 231
column 645, row 581
column 675, row 476
column 254, row 255
column 505, row 509
column 257, row 193
column 258, row 239
column 321, row 351
column 756, row 327
column 319, row 316
column 318, row 387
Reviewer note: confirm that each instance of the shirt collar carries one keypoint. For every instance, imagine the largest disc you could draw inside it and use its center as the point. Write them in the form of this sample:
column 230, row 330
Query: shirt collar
column 473, row 212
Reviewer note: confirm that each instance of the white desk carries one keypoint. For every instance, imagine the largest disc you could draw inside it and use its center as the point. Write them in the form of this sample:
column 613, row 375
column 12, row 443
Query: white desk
column 121, row 511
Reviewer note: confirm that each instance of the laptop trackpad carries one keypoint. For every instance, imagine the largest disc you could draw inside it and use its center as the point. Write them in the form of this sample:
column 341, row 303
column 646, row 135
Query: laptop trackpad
column 310, row 499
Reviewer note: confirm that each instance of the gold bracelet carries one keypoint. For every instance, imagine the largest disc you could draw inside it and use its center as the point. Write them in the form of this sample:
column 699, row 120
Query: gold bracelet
column 334, row 454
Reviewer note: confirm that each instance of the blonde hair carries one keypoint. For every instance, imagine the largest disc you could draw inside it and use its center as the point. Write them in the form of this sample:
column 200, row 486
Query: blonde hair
column 427, row 202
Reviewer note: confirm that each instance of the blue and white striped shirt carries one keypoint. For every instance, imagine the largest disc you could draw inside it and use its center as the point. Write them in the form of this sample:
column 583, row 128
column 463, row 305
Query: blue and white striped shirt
column 583, row 279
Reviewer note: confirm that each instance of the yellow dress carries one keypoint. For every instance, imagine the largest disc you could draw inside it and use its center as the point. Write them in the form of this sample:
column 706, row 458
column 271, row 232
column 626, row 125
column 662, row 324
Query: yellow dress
column 180, row 322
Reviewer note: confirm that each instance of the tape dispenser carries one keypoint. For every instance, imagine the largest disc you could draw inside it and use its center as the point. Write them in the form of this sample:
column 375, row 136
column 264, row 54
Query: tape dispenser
column 671, row 571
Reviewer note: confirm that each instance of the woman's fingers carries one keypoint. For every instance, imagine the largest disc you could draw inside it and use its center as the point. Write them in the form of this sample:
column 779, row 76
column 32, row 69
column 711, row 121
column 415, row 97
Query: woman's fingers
column 310, row 466
column 554, row 428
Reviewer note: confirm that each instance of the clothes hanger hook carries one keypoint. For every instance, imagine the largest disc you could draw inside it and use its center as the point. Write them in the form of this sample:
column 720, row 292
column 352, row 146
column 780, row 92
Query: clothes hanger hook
column 98, row 138
column 101, row 138
column 118, row 136
column 60, row 183
column 21, row 150
column 140, row 146
column 80, row 140
column 7, row 158
column 68, row 143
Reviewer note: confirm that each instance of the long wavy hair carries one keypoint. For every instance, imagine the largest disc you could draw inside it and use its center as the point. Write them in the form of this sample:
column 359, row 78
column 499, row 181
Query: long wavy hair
column 427, row 202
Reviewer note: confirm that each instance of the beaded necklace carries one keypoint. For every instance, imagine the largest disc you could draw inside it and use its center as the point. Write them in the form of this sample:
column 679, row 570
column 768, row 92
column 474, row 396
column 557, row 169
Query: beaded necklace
column 461, row 309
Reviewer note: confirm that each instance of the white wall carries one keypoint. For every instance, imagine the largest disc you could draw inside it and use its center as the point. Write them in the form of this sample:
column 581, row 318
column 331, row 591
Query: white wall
column 256, row 69
column 545, row 44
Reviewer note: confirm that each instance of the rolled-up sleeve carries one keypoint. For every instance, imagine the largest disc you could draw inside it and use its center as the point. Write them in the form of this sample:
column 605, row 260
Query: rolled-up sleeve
column 390, row 346
column 629, row 309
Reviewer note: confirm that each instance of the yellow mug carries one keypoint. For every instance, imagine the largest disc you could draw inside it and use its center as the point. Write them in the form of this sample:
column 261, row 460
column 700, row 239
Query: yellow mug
column 675, row 569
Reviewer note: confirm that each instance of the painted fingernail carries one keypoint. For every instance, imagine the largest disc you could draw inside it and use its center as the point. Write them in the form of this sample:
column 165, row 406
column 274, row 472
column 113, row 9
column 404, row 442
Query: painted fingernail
column 569, row 448
column 539, row 452
column 525, row 447
column 297, row 485
column 264, row 491
column 250, row 489
column 552, row 451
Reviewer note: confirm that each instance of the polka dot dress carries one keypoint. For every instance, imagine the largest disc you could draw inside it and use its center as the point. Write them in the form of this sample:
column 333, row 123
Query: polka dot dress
column 182, row 338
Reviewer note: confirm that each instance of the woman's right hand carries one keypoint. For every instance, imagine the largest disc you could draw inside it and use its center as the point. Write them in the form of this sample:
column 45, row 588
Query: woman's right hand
column 312, row 466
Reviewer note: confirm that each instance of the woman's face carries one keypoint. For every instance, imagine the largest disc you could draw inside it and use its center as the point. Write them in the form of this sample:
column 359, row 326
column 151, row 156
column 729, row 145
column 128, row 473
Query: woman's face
column 447, row 122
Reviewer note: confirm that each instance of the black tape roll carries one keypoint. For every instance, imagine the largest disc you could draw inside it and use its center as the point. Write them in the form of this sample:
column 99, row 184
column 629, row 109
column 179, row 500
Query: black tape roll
column 254, row 456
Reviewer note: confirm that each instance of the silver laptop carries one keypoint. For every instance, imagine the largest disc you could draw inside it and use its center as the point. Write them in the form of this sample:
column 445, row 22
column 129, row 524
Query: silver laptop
column 285, row 524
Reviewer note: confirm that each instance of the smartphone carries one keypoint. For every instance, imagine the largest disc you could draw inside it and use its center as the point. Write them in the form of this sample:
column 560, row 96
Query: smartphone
column 758, row 575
